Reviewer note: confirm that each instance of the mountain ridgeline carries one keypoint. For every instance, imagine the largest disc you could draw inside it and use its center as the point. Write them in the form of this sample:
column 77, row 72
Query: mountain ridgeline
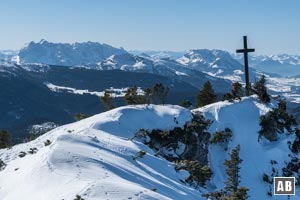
column 52, row 82
column 143, row 147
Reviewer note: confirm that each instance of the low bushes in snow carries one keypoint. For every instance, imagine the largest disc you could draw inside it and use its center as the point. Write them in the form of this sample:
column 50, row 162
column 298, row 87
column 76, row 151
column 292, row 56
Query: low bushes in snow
column 222, row 136
column 186, row 146
column 78, row 197
column 22, row 154
column 32, row 150
column 47, row 142
column 199, row 174
column 2, row 165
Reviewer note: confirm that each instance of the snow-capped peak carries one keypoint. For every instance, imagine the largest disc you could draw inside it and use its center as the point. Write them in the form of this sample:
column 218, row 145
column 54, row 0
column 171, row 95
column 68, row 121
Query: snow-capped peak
column 66, row 54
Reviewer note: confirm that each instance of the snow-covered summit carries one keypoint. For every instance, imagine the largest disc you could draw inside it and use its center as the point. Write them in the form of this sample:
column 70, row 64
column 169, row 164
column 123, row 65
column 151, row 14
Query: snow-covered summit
column 94, row 157
column 243, row 119
column 66, row 54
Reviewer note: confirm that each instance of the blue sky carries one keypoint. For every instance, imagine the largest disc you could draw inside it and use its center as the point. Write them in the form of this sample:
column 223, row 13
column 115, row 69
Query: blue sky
column 273, row 26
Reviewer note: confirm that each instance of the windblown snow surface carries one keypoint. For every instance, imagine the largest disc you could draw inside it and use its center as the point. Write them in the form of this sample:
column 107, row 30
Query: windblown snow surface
column 94, row 157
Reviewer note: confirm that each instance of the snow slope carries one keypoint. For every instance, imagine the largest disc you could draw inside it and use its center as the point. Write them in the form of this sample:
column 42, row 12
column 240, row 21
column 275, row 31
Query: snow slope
column 97, row 158
column 243, row 119
column 94, row 158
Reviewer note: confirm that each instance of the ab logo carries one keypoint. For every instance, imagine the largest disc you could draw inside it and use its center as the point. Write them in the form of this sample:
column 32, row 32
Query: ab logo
column 284, row 185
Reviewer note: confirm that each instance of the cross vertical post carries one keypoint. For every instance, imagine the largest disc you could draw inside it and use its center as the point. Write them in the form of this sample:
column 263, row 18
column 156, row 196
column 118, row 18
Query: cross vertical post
column 245, row 51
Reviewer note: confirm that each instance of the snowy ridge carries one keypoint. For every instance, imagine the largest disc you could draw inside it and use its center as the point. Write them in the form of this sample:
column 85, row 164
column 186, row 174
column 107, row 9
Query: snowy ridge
column 94, row 157
column 243, row 119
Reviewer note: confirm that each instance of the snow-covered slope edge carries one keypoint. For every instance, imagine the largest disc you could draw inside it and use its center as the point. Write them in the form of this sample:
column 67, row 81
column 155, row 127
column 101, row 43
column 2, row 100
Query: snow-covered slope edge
column 243, row 119
column 94, row 158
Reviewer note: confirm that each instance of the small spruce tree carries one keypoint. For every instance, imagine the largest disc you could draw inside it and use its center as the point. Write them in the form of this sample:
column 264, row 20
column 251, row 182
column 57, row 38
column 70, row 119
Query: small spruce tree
column 160, row 92
column 80, row 116
column 231, row 191
column 232, row 170
column 237, row 90
column 260, row 89
column 107, row 100
column 5, row 139
column 132, row 97
column 207, row 95
column 296, row 144
column 148, row 95
column 240, row 194
column 185, row 103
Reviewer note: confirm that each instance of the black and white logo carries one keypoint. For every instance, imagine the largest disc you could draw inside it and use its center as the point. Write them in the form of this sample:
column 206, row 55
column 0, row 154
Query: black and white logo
column 284, row 185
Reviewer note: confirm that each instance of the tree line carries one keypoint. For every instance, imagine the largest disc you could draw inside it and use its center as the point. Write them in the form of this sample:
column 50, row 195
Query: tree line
column 159, row 93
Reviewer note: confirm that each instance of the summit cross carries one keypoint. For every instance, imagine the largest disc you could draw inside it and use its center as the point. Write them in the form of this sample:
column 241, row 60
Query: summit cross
column 245, row 51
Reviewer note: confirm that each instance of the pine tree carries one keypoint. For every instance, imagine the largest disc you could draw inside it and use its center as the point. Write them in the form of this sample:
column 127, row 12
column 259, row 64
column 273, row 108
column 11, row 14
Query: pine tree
column 276, row 121
column 107, row 100
column 237, row 90
column 240, row 194
column 80, row 116
column 296, row 144
column 148, row 95
column 160, row 92
column 185, row 103
column 5, row 139
column 206, row 96
column 232, row 170
column 231, row 191
column 132, row 97
column 260, row 89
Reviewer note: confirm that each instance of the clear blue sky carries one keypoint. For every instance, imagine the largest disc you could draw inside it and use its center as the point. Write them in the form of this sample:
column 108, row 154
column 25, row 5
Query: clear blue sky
column 273, row 26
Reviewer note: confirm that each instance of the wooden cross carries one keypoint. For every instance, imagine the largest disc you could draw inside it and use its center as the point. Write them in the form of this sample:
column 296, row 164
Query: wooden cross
column 245, row 51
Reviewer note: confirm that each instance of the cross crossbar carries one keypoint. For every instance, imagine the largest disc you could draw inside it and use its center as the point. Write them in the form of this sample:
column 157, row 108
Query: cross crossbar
column 245, row 51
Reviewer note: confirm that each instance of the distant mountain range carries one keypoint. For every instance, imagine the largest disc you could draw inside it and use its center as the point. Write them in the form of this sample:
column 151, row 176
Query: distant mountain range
column 282, row 64
column 93, row 54
column 66, row 54
column 50, row 82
